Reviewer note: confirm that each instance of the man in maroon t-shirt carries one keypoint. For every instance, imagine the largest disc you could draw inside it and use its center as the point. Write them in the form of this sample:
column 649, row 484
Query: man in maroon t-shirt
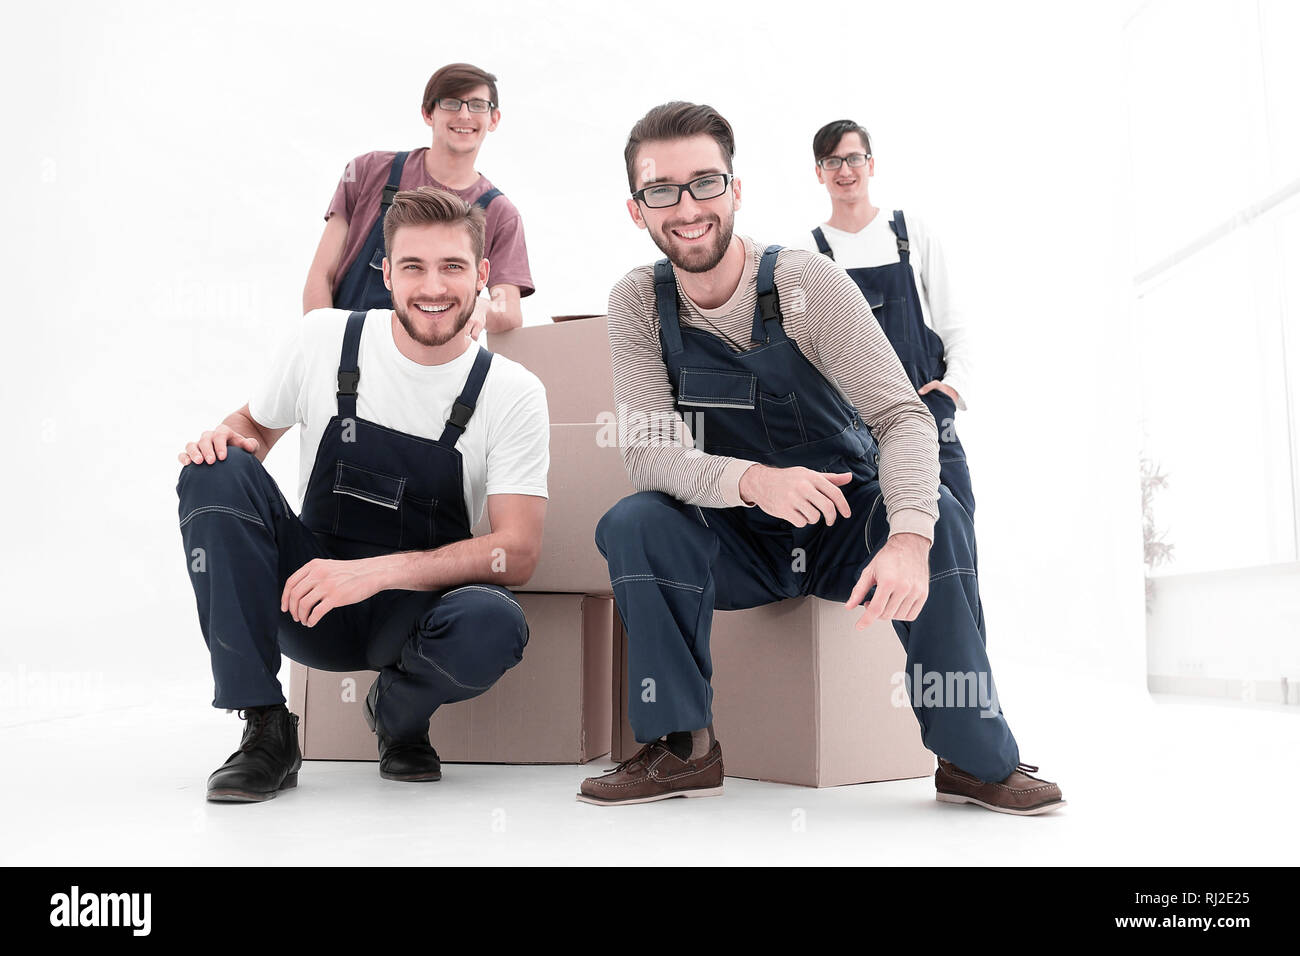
column 460, row 106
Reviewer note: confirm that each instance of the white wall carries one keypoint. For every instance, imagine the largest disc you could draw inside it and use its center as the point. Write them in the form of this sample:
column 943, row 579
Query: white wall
column 167, row 166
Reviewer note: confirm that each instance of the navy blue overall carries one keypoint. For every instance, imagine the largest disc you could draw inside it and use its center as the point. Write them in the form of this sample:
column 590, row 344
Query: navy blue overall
column 372, row 491
column 891, row 292
column 672, row 564
column 363, row 284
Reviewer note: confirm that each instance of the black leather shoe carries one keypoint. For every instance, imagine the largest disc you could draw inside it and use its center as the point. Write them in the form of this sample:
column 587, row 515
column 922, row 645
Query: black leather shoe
column 267, row 761
column 414, row 761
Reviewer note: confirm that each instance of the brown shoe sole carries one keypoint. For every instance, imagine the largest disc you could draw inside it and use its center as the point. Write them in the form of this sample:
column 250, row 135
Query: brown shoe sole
column 691, row 792
column 1051, row 805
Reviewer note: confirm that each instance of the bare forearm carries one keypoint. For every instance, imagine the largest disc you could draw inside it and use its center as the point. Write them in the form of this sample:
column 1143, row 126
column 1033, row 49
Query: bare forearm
column 491, row 558
column 242, row 423
column 317, row 294
column 503, row 311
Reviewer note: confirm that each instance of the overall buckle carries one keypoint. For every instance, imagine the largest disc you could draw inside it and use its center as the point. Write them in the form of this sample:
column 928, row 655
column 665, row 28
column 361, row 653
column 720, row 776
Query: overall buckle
column 460, row 415
column 348, row 382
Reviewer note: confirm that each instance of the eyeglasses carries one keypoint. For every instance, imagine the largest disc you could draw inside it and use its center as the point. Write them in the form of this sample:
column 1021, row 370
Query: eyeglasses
column 663, row 195
column 452, row 104
column 853, row 159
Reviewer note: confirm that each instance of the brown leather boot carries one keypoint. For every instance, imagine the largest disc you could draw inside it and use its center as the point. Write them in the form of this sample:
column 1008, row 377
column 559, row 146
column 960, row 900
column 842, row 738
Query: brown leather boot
column 1019, row 793
column 655, row 773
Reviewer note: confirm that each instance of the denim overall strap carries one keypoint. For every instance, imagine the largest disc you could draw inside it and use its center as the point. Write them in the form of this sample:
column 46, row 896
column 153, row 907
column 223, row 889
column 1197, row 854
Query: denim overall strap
column 670, row 332
column 349, row 372
column 486, row 199
column 823, row 246
column 768, row 307
column 463, row 407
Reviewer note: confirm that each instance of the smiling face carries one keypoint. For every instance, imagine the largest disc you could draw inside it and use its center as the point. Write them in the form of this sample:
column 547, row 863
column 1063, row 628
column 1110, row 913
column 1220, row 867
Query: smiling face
column 848, row 184
column 694, row 234
column 434, row 280
column 463, row 131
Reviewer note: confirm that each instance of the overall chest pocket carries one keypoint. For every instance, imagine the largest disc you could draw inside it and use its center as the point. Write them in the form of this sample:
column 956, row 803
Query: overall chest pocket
column 782, row 420
column 368, row 505
column 717, row 388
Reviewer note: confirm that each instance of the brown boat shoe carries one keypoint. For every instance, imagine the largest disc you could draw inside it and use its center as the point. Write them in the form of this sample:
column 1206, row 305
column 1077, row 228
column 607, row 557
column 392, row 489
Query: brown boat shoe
column 1019, row 793
column 655, row 773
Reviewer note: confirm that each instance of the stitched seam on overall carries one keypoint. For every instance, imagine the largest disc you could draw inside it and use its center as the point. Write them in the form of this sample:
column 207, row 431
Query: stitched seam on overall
column 479, row 587
column 651, row 577
column 700, row 512
column 871, row 514
column 434, row 664
column 948, row 574
column 253, row 519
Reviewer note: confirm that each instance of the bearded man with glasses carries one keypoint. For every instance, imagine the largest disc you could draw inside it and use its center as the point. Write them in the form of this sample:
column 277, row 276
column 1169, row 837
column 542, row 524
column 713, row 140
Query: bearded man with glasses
column 460, row 107
column 806, row 440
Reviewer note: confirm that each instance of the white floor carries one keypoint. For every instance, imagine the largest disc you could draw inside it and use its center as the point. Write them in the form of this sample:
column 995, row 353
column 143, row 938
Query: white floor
column 1149, row 780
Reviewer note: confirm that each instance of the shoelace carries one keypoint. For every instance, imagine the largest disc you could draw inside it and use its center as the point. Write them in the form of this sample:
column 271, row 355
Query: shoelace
column 256, row 721
column 634, row 758
column 1026, row 768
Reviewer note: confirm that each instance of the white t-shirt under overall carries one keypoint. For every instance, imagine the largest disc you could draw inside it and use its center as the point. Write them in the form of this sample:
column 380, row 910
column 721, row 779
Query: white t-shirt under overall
column 876, row 245
column 505, row 447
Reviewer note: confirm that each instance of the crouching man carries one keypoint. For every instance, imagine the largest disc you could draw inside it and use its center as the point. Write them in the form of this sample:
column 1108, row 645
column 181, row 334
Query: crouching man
column 408, row 428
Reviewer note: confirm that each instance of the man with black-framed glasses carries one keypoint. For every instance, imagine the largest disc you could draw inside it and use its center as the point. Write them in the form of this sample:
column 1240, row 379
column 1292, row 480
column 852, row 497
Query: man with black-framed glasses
column 809, row 468
column 898, row 264
column 460, row 106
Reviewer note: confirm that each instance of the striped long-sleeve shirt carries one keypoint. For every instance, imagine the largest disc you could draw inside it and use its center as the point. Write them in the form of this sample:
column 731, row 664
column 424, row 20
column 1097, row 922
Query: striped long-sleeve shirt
column 832, row 325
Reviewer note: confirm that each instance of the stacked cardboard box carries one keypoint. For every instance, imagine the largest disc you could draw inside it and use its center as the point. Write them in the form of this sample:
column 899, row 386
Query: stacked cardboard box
column 800, row 696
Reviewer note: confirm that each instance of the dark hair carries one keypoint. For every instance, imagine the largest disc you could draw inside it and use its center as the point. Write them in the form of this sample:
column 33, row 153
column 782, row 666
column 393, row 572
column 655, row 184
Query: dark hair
column 428, row 204
column 678, row 120
column 455, row 79
column 829, row 136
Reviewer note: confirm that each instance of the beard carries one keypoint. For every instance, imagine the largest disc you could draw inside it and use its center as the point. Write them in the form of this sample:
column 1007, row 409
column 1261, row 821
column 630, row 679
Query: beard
column 696, row 258
column 434, row 340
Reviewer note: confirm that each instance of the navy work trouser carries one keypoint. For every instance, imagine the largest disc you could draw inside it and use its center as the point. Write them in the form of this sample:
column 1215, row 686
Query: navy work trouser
column 672, row 564
column 243, row 542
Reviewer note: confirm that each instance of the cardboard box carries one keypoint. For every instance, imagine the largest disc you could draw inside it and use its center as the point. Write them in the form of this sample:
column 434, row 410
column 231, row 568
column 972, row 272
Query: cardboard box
column 572, row 360
column 586, row 479
column 800, row 696
column 551, row 707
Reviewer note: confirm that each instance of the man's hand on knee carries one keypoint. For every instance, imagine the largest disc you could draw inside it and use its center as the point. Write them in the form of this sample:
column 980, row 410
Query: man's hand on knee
column 901, row 575
column 211, row 446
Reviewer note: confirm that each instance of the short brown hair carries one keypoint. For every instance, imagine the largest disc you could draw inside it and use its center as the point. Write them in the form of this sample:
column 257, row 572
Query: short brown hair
column 427, row 204
column 829, row 136
column 455, row 79
column 678, row 120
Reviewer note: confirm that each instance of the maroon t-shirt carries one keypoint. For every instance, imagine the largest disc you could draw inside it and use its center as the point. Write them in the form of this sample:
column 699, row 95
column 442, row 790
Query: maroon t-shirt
column 357, row 198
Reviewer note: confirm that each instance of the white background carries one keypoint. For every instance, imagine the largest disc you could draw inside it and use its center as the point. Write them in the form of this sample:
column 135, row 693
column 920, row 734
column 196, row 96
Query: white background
column 165, row 198
column 167, row 166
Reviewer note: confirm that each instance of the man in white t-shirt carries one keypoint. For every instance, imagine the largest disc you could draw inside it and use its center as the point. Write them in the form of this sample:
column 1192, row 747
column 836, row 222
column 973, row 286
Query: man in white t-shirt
column 898, row 265
column 409, row 429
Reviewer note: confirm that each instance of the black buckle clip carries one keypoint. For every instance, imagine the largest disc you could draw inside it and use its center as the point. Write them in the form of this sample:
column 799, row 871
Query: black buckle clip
column 348, row 381
column 902, row 245
column 389, row 193
column 460, row 415
column 768, row 308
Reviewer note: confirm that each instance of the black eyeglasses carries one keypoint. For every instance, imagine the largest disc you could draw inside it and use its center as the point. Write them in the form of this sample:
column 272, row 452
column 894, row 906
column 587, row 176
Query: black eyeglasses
column 662, row 195
column 452, row 104
column 853, row 159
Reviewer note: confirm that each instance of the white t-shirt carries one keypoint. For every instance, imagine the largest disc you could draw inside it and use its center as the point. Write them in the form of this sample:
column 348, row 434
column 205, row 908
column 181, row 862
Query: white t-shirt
column 505, row 446
column 876, row 245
